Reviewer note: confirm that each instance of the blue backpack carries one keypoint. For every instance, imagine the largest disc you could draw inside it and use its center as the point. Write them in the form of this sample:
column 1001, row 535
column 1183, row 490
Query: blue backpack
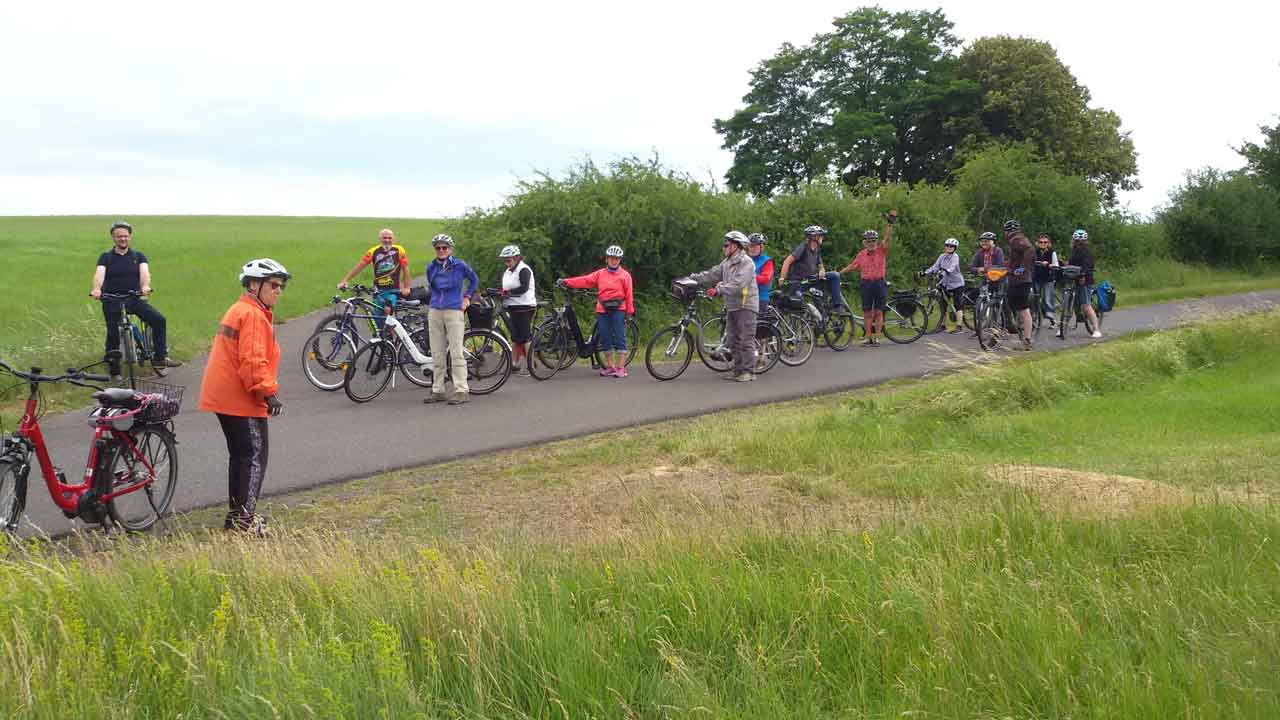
column 1105, row 294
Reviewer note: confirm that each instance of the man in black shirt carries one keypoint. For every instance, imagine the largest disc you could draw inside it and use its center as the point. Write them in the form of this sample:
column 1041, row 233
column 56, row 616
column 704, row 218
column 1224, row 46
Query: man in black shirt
column 125, row 270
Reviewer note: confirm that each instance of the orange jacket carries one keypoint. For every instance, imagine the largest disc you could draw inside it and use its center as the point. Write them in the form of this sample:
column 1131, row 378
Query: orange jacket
column 242, row 365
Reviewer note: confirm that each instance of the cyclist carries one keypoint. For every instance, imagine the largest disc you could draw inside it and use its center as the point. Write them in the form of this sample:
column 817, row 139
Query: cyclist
column 240, row 386
column 1046, row 266
column 806, row 261
column 1022, row 270
column 988, row 255
column 764, row 265
column 390, row 272
column 1082, row 256
column 614, row 301
column 520, row 300
column 446, row 323
column 875, row 291
column 948, row 263
column 735, row 279
column 122, row 270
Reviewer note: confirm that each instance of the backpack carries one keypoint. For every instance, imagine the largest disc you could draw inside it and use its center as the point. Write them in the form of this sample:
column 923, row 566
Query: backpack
column 1105, row 294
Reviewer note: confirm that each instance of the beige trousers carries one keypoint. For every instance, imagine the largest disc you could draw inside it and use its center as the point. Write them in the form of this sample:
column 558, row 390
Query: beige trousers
column 445, row 329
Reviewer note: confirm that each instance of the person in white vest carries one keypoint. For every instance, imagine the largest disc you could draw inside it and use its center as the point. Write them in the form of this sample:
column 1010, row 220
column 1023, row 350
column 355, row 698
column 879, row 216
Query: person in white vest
column 520, row 300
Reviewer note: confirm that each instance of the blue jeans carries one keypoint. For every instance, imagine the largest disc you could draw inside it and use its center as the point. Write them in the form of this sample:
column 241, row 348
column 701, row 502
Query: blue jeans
column 111, row 310
column 613, row 331
column 833, row 289
column 383, row 298
column 1047, row 301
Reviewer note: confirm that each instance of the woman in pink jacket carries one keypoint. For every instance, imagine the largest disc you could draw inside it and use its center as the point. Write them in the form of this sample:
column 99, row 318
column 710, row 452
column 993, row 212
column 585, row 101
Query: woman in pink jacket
column 614, row 304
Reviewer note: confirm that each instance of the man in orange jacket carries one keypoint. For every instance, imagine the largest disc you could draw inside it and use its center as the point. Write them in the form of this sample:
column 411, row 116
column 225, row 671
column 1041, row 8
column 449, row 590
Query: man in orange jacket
column 240, row 387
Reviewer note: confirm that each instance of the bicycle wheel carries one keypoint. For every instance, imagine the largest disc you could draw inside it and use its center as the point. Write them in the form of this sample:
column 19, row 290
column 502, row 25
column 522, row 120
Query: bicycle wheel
column 370, row 371
column 1066, row 312
column 1037, row 315
column 839, row 330
column 989, row 324
column 548, row 349
column 147, row 350
column 633, row 342
column 797, row 340
column 488, row 361
column 768, row 342
column 668, row 352
column 904, row 321
column 325, row 356
column 409, row 368
column 711, row 348
column 931, row 304
column 140, row 509
column 13, row 495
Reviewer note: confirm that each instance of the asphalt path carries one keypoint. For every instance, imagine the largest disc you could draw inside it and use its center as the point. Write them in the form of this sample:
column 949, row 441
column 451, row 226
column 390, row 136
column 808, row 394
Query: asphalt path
column 323, row 437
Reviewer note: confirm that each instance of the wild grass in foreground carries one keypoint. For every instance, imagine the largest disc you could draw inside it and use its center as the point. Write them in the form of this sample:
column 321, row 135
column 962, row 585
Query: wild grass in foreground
column 987, row 597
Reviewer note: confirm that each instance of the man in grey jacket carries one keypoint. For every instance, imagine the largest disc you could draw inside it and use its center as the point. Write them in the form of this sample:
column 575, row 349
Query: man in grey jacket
column 735, row 280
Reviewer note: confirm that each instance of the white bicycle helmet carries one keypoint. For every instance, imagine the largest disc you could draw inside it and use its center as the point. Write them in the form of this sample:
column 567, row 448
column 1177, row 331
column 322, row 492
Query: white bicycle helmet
column 261, row 269
column 756, row 238
column 813, row 230
column 951, row 242
column 613, row 251
column 736, row 237
column 442, row 239
column 1080, row 234
column 510, row 251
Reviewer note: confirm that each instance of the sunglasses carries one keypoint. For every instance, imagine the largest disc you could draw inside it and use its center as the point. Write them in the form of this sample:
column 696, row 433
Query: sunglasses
column 276, row 285
column 442, row 247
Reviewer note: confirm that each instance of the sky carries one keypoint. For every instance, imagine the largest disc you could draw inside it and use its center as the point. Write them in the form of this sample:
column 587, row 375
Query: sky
column 428, row 109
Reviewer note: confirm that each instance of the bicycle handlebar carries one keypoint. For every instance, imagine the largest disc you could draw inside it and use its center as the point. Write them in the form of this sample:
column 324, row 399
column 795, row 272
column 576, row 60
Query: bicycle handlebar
column 123, row 295
column 72, row 375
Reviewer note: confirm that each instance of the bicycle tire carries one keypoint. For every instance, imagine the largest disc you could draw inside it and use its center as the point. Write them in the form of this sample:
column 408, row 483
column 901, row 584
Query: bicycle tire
column 547, row 349
column 370, row 371
column 768, row 344
column 904, row 321
column 798, row 341
column 1066, row 313
column 927, row 307
column 488, row 359
column 13, row 494
column 674, row 349
column 839, row 330
column 410, row 369
column 325, row 356
column 633, row 342
column 148, row 349
column 711, row 347
column 987, row 317
column 138, row 510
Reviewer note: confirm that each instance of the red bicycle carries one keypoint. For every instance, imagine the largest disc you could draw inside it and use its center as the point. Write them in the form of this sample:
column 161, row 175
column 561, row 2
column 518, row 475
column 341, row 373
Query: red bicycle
column 133, row 460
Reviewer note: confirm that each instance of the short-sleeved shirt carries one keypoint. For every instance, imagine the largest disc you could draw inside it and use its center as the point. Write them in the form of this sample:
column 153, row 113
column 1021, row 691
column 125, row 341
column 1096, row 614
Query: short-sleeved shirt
column 804, row 262
column 387, row 264
column 122, row 271
column 871, row 262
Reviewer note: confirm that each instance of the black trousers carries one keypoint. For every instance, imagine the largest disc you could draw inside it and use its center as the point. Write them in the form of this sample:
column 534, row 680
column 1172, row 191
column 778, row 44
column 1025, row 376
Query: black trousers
column 247, row 445
column 111, row 310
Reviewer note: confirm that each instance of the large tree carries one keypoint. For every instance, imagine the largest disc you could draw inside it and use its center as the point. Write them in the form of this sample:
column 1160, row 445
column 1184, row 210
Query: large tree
column 1264, row 160
column 875, row 97
column 1029, row 96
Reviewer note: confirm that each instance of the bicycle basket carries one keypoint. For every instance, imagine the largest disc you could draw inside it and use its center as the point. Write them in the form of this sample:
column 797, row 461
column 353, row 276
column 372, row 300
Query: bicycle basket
column 786, row 300
column 683, row 289
column 1070, row 272
column 480, row 313
column 997, row 274
column 164, row 401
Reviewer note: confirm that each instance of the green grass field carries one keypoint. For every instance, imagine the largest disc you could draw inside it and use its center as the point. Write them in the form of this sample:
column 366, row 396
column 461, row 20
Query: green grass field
column 1084, row 534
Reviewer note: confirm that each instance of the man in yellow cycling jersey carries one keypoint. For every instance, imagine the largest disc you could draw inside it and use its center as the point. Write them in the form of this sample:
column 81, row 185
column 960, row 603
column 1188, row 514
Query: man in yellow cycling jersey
column 390, row 271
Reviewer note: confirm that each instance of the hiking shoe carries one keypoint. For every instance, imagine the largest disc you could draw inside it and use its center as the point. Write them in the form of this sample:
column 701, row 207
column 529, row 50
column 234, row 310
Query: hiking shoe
column 1026, row 344
column 433, row 398
column 459, row 398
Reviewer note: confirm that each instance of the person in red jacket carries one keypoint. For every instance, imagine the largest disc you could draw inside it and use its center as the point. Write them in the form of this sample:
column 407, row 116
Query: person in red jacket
column 240, row 387
column 613, row 304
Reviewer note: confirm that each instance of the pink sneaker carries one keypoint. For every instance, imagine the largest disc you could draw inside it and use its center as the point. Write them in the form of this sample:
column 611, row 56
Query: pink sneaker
column 620, row 372
column 606, row 371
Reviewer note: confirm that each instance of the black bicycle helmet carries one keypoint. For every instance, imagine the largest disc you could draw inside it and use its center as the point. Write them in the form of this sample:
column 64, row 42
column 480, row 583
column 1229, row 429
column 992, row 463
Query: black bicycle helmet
column 755, row 238
column 117, row 225
column 1012, row 226
column 988, row 235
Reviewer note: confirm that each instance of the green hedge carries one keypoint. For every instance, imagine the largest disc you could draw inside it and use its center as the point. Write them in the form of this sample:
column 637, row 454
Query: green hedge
column 1224, row 219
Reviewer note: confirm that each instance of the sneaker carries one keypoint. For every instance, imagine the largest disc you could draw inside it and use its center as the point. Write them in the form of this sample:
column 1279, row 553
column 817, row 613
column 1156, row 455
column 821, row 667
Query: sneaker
column 1026, row 344
column 167, row 362
column 955, row 330
column 117, row 379
column 744, row 377
column 1096, row 334
column 521, row 371
column 1049, row 319
column 869, row 342
column 433, row 398
column 606, row 371
column 459, row 398
column 159, row 370
column 729, row 376
column 620, row 372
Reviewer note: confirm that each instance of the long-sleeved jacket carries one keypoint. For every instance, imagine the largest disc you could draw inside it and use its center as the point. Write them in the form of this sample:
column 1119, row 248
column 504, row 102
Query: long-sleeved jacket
column 1022, row 260
column 735, row 280
column 609, row 285
column 997, row 259
column 444, row 282
column 949, row 264
column 243, row 362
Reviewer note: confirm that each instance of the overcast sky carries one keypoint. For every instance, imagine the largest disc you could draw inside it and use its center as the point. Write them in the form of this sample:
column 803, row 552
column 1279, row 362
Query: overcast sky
column 425, row 109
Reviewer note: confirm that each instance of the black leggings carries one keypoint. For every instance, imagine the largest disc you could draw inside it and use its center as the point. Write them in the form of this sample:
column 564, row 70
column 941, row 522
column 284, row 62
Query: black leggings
column 247, row 444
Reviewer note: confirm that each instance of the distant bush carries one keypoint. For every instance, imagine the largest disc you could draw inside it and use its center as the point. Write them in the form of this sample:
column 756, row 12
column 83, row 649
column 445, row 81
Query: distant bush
column 1223, row 218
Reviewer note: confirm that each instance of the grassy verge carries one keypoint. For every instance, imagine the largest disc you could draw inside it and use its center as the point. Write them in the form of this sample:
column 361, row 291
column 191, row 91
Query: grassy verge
column 1163, row 279
column 963, row 547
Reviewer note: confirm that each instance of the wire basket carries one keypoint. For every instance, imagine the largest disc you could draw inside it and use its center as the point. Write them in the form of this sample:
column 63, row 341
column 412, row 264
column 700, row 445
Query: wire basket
column 164, row 403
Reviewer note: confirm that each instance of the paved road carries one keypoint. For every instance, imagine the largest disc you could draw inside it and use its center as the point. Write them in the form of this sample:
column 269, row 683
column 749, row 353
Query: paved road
column 324, row 437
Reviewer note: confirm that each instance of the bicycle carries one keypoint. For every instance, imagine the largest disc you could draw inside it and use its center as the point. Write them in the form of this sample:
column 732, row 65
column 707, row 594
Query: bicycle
column 558, row 343
column 330, row 348
column 139, row 347
column 486, row 353
column 835, row 326
column 993, row 317
column 795, row 333
column 936, row 300
column 133, row 449
column 1067, row 303
column 670, row 350
column 501, row 314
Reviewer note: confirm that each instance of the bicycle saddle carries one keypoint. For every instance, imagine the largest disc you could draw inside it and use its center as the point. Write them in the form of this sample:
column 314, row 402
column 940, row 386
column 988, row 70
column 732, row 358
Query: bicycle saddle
column 410, row 303
column 117, row 397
